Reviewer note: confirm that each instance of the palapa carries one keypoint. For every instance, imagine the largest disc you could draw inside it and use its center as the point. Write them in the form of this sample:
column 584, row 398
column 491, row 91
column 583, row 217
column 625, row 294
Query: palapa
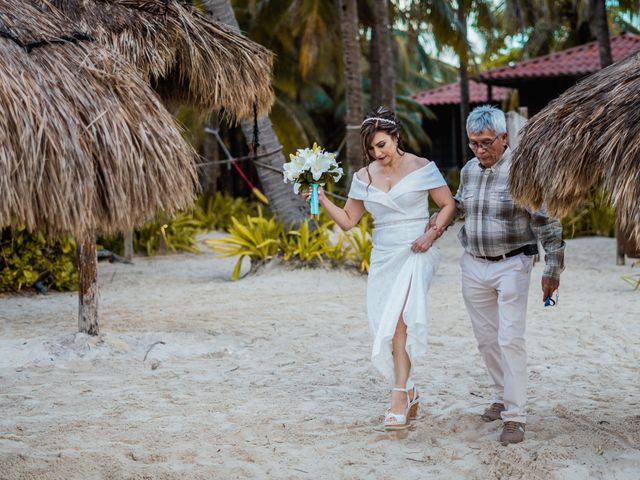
column 85, row 144
column 587, row 137
column 186, row 57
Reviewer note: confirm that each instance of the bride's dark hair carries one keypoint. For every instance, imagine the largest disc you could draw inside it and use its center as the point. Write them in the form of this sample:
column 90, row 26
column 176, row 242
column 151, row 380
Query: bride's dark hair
column 381, row 119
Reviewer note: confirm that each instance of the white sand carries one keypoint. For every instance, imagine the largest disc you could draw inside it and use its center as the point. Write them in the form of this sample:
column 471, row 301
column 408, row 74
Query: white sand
column 269, row 377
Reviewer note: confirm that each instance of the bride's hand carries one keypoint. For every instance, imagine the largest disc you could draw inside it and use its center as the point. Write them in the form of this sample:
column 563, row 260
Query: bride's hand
column 321, row 195
column 423, row 242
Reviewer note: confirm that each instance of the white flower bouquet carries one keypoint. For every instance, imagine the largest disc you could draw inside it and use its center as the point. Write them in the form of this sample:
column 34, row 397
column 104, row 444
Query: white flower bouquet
column 311, row 167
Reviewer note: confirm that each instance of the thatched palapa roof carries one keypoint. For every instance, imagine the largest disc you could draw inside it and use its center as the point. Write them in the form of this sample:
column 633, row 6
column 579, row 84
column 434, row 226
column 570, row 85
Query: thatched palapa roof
column 85, row 144
column 186, row 57
column 587, row 137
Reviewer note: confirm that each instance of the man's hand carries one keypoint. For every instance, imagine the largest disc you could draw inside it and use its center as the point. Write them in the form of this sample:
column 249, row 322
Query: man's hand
column 549, row 285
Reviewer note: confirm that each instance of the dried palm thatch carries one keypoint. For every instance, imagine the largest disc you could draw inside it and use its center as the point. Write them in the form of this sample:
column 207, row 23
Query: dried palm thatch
column 587, row 137
column 85, row 144
column 186, row 57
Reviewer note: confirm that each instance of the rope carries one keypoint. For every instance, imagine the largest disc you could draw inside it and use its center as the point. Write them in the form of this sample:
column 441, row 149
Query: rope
column 335, row 195
column 239, row 159
column 230, row 159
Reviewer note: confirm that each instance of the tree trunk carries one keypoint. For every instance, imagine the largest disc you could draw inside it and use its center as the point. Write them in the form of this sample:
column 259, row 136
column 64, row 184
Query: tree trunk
column 602, row 33
column 383, row 39
column 464, row 84
column 352, row 81
column 375, row 94
column 211, row 154
column 87, row 285
column 288, row 207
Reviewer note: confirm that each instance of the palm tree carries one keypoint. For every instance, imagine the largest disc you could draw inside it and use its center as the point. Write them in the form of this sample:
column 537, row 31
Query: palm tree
column 602, row 32
column 352, row 80
column 463, row 55
column 383, row 74
column 288, row 207
column 549, row 26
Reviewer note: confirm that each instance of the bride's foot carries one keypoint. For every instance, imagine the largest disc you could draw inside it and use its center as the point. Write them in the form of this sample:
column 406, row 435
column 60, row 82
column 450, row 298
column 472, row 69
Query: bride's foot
column 399, row 415
column 399, row 400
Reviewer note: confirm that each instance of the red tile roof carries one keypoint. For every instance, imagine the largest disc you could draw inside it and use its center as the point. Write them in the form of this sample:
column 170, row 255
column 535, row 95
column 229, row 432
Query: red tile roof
column 573, row 62
column 450, row 94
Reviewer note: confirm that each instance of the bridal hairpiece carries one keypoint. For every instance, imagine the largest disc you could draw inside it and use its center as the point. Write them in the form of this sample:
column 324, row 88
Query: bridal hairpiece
column 378, row 119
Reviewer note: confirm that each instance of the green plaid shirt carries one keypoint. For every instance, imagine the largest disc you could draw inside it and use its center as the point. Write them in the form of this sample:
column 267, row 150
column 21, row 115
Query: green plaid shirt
column 495, row 225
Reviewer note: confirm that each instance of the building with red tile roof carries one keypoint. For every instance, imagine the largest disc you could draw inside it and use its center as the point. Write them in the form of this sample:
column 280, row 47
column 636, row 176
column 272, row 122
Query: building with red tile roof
column 450, row 94
column 539, row 80
column 575, row 62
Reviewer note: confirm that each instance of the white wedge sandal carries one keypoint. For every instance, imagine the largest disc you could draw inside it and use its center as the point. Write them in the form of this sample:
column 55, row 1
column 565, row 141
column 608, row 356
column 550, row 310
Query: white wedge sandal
column 401, row 421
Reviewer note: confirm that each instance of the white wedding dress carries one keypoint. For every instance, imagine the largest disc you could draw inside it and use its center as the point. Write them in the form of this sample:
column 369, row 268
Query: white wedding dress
column 400, row 216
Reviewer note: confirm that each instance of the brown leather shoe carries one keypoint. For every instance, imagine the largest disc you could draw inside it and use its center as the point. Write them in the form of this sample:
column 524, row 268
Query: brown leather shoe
column 493, row 412
column 513, row 432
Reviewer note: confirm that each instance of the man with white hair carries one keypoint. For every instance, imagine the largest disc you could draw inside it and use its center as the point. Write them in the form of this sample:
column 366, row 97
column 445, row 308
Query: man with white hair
column 500, row 240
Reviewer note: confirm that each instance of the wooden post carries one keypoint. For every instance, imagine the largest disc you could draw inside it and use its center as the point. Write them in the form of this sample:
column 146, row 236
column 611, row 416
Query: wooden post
column 87, row 284
column 128, row 245
column 620, row 250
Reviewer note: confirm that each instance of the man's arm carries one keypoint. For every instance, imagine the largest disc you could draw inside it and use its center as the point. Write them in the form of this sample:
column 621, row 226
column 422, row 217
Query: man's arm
column 548, row 230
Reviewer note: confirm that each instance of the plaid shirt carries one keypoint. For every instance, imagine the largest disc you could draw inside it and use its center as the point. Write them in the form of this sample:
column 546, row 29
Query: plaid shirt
column 495, row 225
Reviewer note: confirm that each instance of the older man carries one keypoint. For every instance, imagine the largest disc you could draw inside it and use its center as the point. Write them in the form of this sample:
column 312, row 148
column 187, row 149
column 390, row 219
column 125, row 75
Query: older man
column 500, row 239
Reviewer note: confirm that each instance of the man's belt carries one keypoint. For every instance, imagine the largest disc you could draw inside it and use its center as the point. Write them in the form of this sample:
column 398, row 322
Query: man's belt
column 531, row 249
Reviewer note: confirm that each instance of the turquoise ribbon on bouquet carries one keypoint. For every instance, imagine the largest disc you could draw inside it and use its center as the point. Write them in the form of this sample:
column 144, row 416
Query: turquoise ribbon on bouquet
column 314, row 204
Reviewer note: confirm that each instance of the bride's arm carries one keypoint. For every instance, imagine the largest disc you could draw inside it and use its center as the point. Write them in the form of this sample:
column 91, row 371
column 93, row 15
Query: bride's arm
column 443, row 198
column 346, row 218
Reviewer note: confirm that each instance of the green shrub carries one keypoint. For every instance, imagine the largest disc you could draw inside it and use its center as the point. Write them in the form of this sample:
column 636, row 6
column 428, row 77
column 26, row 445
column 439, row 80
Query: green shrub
column 258, row 238
column 168, row 234
column 216, row 213
column 178, row 233
column 361, row 243
column 308, row 245
column 27, row 257
column 595, row 217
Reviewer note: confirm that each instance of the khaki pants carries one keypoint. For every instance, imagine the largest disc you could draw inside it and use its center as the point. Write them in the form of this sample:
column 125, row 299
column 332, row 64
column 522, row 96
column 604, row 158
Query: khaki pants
column 495, row 294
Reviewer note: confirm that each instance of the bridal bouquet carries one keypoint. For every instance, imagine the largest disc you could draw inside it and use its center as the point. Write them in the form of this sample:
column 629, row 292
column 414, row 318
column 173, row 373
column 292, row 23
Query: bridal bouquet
column 311, row 167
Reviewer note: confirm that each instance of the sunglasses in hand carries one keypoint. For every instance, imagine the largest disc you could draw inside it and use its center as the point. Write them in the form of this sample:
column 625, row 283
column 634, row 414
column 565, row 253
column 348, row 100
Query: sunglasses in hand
column 550, row 301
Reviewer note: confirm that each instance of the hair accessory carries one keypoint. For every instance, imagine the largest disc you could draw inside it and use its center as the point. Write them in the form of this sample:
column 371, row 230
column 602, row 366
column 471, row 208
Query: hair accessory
column 378, row 119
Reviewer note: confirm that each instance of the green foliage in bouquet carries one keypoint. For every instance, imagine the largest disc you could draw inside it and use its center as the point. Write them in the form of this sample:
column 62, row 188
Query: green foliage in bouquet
column 311, row 165
column 27, row 257
column 258, row 238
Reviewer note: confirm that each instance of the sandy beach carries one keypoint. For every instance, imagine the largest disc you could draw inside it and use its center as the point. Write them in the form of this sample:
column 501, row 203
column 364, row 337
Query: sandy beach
column 269, row 377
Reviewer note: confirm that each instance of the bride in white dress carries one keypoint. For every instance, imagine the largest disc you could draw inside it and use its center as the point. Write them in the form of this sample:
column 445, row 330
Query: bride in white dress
column 394, row 188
